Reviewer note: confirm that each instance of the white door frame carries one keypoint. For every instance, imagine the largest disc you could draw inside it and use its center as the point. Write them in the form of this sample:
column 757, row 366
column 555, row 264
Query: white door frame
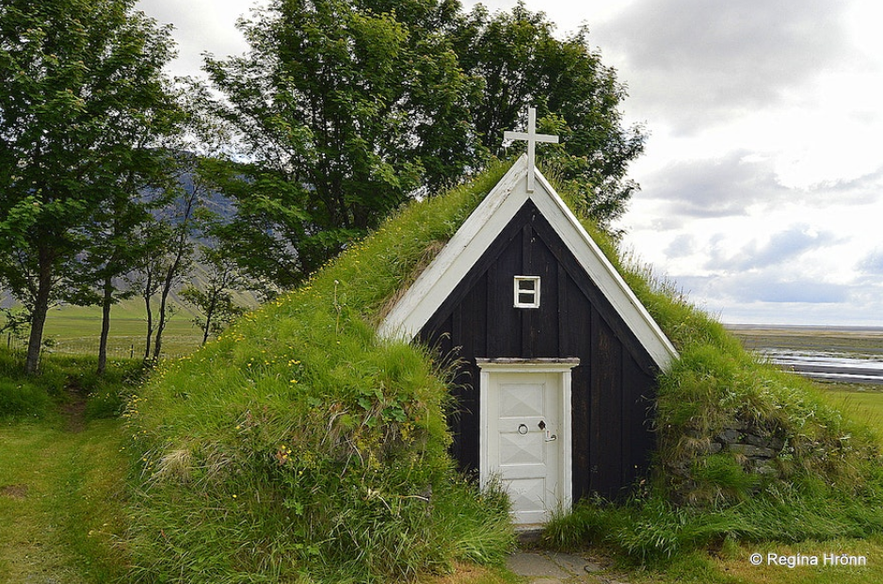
column 561, row 367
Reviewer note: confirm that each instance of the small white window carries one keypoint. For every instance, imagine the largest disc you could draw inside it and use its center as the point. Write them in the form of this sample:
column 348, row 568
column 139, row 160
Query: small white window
column 527, row 291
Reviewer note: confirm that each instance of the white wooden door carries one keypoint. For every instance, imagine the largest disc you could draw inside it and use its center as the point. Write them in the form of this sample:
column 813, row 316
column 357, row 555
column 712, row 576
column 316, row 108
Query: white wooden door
column 524, row 441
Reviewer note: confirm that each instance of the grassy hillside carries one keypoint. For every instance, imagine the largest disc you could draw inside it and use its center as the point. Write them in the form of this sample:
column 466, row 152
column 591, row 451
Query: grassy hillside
column 300, row 447
column 825, row 482
column 63, row 495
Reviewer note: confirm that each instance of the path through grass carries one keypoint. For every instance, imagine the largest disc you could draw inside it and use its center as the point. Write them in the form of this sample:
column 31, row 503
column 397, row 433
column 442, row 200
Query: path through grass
column 61, row 502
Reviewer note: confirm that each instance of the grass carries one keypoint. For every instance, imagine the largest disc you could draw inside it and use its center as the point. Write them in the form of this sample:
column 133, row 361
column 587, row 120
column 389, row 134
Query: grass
column 730, row 564
column 863, row 403
column 305, row 385
column 64, row 485
column 300, row 448
column 829, row 483
column 76, row 330
column 62, row 496
column 325, row 446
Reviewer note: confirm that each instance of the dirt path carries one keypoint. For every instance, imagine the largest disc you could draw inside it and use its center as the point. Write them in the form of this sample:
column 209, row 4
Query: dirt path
column 74, row 410
column 61, row 484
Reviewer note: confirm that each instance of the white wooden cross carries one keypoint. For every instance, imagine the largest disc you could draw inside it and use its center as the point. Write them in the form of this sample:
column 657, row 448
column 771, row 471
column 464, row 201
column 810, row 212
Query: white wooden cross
column 532, row 138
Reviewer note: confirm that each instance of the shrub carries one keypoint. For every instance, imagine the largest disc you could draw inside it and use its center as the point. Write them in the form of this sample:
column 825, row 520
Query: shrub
column 34, row 396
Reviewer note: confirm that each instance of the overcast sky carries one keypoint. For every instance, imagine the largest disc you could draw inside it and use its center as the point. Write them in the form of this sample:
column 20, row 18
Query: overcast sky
column 762, row 182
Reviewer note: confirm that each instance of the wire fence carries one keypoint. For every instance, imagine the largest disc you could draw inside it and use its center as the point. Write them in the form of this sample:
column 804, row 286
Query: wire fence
column 117, row 347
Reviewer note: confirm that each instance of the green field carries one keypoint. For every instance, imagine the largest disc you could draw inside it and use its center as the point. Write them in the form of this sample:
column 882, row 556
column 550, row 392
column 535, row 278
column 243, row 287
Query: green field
column 842, row 340
column 76, row 329
column 863, row 403
column 63, row 492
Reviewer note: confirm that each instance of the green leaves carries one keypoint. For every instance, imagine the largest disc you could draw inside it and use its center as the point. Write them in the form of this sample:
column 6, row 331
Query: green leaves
column 83, row 105
column 345, row 109
column 521, row 63
column 348, row 109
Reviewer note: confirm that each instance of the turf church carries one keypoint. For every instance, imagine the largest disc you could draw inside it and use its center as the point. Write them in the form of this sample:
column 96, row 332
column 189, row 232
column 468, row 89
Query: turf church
column 557, row 357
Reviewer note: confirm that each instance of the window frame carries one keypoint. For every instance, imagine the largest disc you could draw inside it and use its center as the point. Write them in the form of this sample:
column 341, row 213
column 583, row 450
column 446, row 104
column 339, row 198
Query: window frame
column 534, row 292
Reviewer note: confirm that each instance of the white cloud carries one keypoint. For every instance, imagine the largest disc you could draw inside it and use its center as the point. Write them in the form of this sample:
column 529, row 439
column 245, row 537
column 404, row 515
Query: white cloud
column 716, row 187
column 695, row 63
column 200, row 26
column 775, row 249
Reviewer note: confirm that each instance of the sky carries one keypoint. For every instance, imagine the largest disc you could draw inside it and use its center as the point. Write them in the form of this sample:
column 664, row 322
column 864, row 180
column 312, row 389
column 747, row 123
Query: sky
column 762, row 179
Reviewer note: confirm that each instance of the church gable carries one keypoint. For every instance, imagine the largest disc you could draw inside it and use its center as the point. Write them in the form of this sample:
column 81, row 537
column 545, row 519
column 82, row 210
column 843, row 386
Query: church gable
column 612, row 376
column 457, row 261
column 482, row 312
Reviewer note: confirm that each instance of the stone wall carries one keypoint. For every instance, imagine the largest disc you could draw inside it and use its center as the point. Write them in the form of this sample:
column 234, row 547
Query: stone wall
column 756, row 450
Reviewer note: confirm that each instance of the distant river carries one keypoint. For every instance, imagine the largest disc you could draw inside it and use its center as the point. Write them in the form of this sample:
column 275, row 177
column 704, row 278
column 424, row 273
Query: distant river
column 828, row 366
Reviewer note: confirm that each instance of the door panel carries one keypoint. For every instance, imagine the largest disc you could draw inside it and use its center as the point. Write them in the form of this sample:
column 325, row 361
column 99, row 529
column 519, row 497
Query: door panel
column 523, row 446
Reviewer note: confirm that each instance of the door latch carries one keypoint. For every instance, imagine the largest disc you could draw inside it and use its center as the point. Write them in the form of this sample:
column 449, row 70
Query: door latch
column 549, row 436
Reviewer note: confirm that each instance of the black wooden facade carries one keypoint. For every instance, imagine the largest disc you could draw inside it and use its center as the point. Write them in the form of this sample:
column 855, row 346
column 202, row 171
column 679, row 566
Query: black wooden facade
column 613, row 387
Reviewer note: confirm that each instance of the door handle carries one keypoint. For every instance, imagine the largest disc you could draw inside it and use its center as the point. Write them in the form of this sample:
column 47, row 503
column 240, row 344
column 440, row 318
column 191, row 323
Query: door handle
column 550, row 437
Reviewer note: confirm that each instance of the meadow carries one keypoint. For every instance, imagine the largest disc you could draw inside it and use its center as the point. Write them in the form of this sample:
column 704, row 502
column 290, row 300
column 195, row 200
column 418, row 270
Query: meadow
column 65, row 472
column 74, row 330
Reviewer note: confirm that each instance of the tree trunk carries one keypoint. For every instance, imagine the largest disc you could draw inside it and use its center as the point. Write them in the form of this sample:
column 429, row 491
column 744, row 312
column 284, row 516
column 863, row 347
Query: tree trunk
column 106, row 303
column 149, row 327
column 38, row 317
column 160, row 326
column 163, row 308
column 208, row 317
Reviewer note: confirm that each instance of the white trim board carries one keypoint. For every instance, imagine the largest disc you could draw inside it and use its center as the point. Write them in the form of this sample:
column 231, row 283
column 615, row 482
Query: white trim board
column 481, row 229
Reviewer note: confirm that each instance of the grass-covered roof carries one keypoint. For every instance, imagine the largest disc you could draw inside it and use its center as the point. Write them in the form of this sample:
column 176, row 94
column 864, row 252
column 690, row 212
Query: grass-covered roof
column 300, row 445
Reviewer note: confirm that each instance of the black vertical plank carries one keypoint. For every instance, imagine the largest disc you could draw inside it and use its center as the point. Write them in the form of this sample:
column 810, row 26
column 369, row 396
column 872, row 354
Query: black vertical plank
column 473, row 328
column 595, row 389
column 638, row 395
column 575, row 334
column 468, row 412
column 564, row 346
column 549, row 318
column 630, row 386
column 504, row 320
column 609, row 376
column 528, row 316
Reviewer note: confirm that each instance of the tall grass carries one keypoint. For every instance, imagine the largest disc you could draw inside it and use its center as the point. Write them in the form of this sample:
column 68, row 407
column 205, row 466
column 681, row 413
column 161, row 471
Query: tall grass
column 64, row 378
column 654, row 529
column 301, row 446
column 827, row 481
